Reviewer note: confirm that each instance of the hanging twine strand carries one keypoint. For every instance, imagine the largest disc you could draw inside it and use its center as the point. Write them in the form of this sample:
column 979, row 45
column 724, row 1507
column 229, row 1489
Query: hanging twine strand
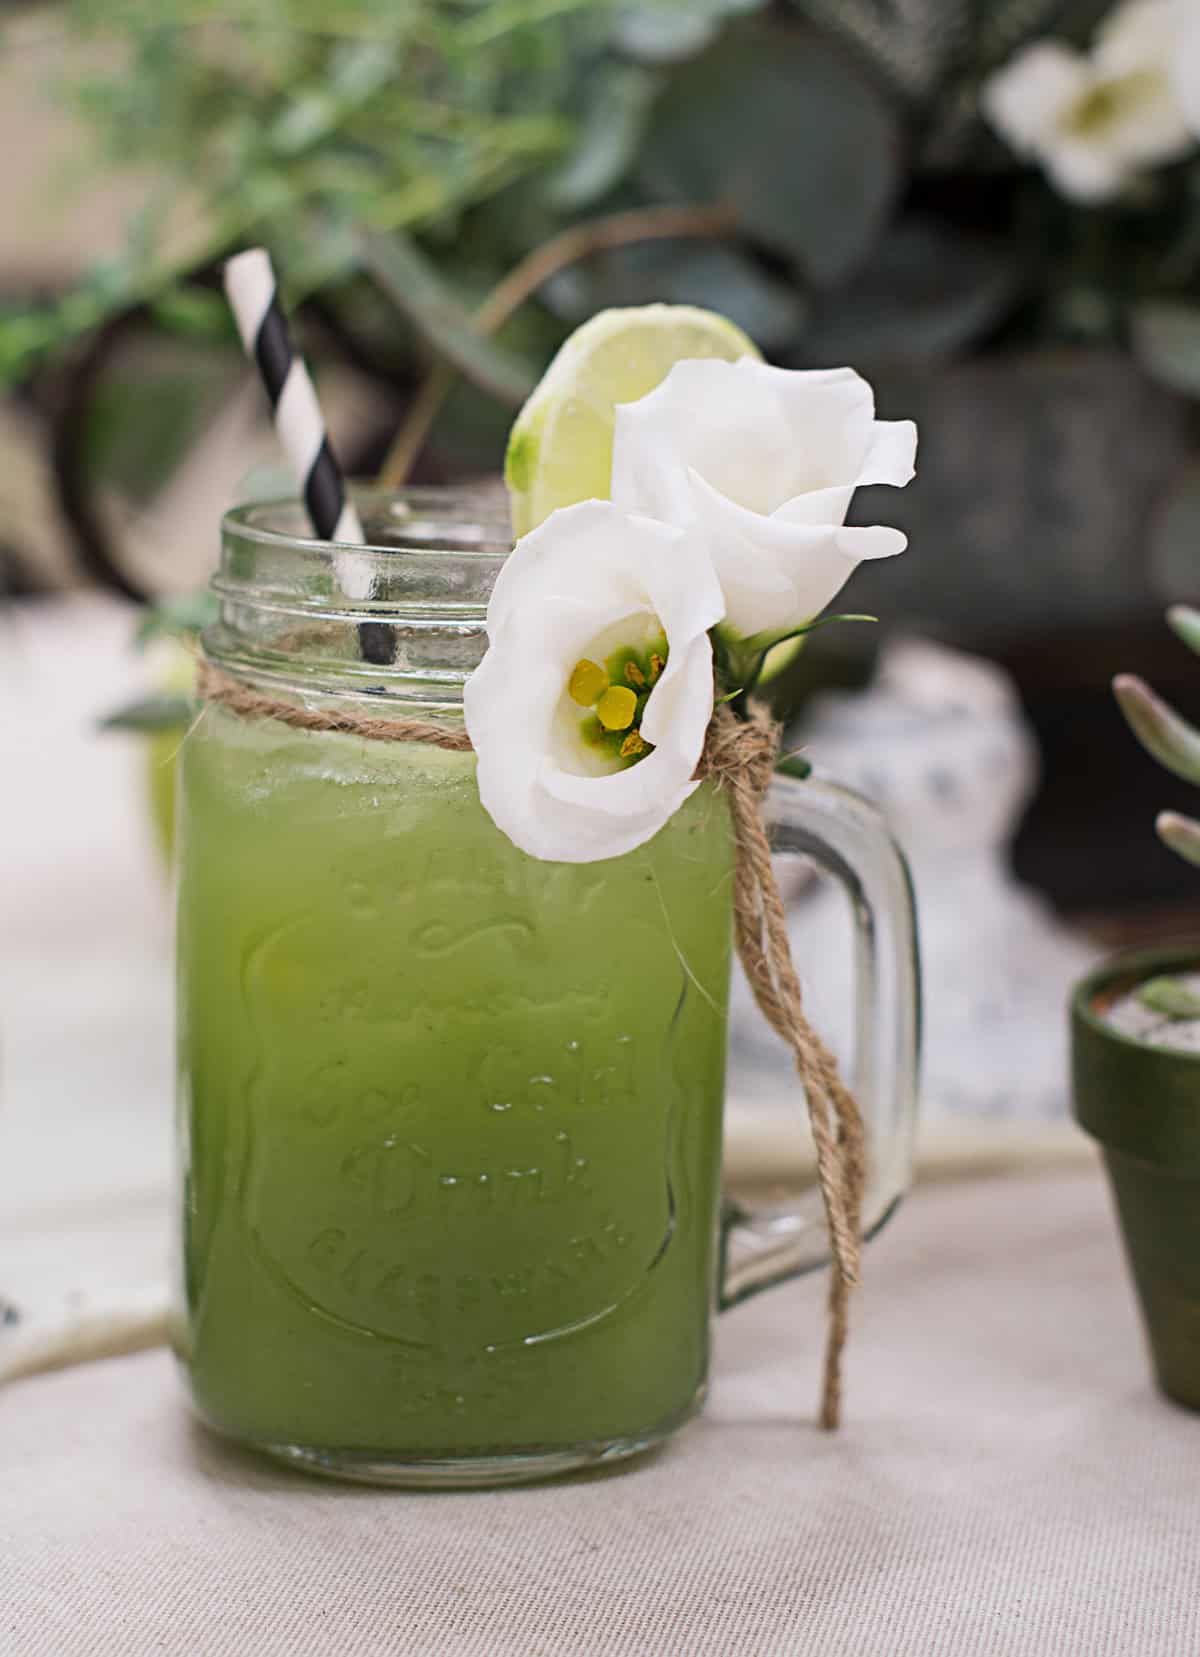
column 739, row 758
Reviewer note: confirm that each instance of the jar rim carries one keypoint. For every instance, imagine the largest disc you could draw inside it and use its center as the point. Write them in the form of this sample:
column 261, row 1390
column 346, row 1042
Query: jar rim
column 426, row 518
column 293, row 608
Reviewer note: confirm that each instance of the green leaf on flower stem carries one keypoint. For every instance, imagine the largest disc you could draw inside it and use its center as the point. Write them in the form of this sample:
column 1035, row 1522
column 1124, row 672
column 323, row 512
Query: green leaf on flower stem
column 808, row 160
column 1166, row 337
column 1170, row 997
column 416, row 288
column 1161, row 731
column 761, row 642
column 1180, row 834
column 150, row 713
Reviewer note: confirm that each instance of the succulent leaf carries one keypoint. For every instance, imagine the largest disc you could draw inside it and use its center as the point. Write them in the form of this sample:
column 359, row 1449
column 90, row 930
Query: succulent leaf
column 1181, row 834
column 1161, row 731
column 1170, row 997
column 1184, row 622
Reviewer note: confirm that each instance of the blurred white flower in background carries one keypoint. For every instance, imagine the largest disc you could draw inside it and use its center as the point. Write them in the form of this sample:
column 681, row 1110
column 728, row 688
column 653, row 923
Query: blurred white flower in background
column 1094, row 120
column 1186, row 65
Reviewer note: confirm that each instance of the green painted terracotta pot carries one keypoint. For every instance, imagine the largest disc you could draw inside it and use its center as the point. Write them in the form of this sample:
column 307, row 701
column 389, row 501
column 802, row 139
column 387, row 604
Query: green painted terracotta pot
column 1142, row 1104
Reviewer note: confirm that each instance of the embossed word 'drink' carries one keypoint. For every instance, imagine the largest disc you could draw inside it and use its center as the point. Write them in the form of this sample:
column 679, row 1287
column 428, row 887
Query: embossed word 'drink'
column 452, row 1115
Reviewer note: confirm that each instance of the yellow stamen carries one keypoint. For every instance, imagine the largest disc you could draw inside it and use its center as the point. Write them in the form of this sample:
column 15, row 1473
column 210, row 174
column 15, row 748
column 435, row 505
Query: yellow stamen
column 656, row 666
column 633, row 745
column 635, row 675
column 616, row 708
column 587, row 683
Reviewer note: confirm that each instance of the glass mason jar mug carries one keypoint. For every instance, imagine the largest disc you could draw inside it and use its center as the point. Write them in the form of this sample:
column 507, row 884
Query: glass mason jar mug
column 451, row 1117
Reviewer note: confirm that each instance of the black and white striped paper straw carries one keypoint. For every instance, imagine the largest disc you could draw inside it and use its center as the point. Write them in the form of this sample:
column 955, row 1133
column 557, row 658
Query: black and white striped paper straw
column 253, row 296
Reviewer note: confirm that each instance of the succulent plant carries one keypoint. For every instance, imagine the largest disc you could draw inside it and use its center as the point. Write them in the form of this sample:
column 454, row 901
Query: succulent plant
column 1167, row 735
column 1175, row 743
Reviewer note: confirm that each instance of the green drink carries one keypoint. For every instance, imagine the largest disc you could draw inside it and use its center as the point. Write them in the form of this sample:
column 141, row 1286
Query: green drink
column 450, row 1116
column 454, row 1115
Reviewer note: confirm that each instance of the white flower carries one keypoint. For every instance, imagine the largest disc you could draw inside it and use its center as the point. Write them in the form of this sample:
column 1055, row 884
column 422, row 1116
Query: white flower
column 761, row 464
column 1185, row 63
column 1095, row 120
column 571, row 767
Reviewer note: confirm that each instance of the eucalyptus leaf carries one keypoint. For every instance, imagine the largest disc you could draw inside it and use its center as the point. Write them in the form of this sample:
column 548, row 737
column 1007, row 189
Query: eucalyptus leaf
column 667, row 31
column 614, row 120
column 151, row 713
column 1166, row 338
column 1170, row 997
column 927, row 291
column 662, row 36
column 780, row 125
column 414, row 285
column 716, row 277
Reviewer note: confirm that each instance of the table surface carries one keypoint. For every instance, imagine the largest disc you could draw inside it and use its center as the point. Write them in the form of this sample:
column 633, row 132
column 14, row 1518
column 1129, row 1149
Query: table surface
column 1007, row 1483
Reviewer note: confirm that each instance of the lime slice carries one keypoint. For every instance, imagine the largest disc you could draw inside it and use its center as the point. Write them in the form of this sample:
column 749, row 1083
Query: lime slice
column 560, row 447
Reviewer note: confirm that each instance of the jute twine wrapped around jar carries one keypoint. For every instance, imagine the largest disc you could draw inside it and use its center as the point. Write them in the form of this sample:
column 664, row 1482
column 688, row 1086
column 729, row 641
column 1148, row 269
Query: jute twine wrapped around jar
column 739, row 757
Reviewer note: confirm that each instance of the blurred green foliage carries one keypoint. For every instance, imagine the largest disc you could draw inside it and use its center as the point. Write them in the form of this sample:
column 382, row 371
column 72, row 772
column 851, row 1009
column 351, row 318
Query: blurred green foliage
column 400, row 156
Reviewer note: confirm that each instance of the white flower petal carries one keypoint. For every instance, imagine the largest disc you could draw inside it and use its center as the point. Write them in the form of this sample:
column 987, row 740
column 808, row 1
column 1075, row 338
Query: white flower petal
column 1028, row 99
column 680, row 705
column 710, row 415
column 704, row 448
column 892, row 456
column 818, row 506
column 1149, row 126
column 1087, row 172
column 831, row 414
column 1140, row 35
column 588, row 569
column 780, row 572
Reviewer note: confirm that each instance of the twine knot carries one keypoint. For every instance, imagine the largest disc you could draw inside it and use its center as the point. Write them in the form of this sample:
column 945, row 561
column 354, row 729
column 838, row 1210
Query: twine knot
column 741, row 752
column 739, row 757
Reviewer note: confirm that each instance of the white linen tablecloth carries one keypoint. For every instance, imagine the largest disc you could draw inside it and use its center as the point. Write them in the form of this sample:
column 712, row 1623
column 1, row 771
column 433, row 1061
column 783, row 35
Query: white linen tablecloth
column 1007, row 1484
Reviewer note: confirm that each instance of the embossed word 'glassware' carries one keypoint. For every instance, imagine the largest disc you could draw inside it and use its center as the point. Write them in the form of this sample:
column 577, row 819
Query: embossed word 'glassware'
column 451, row 1117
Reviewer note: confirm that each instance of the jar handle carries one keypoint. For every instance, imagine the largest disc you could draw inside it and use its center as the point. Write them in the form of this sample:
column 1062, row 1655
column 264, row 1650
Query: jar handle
column 847, row 836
